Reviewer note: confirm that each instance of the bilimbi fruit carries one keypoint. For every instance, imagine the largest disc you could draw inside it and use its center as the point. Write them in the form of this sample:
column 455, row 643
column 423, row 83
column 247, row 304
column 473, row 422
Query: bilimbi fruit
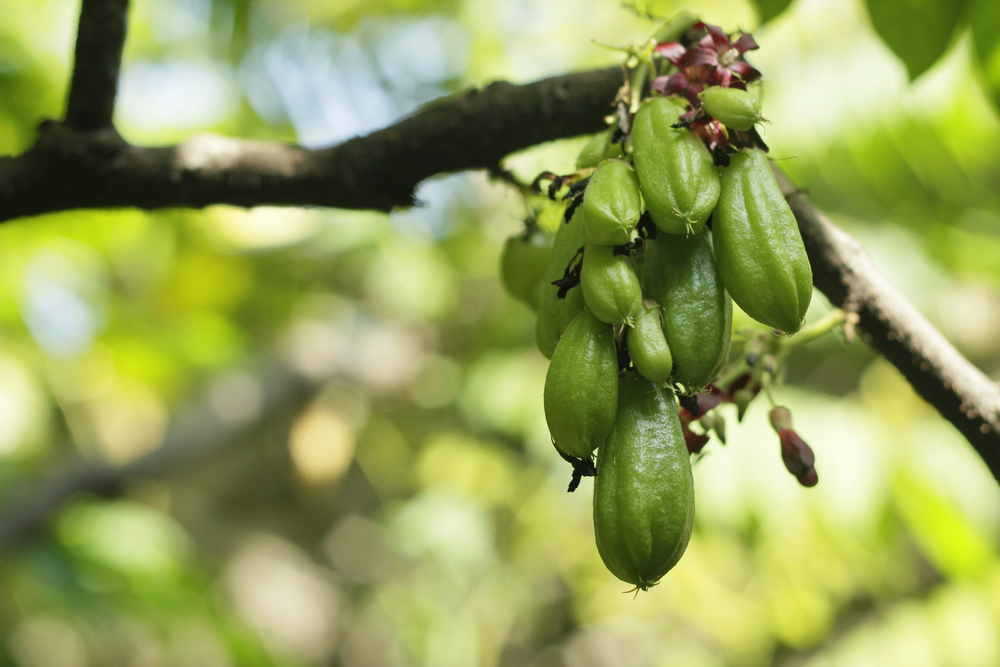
column 647, row 346
column 581, row 386
column 555, row 314
column 758, row 247
column 732, row 107
column 644, row 493
column 681, row 274
column 611, row 204
column 678, row 179
column 523, row 262
column 635, row 302
column 610, row 287
column 598, row 149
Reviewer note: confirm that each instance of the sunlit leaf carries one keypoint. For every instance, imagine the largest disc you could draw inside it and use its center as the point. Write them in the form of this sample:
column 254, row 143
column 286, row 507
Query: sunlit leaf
column 769, row 9
column 947, row 538
column 984, row 19
column 918, row 31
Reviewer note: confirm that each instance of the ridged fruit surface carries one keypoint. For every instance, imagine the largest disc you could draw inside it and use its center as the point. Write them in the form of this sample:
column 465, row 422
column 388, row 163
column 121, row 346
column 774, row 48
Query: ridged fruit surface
column 581, row 386
column 610, row 287
column 758, row 247
column 523, row 262
column 647, row 345
column 644, row 492
column 677, row 177
column 555, row 314
column 732, row 107
column 681, row 274
column 612, row 203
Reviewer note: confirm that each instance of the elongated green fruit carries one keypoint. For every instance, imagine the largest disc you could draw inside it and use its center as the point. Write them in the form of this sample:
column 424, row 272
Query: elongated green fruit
column 678, row 179
column 644, row 493
column 681, row 274
column 597, row 149
column 610, row 287
column 555, row 314
column 647, row 346
column 612, row 203
column 732, row 107
column 758, row 248
column 523, row 262
column 581, row 386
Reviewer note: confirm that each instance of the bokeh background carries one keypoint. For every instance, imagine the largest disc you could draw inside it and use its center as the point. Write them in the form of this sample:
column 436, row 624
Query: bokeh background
column 360, row 469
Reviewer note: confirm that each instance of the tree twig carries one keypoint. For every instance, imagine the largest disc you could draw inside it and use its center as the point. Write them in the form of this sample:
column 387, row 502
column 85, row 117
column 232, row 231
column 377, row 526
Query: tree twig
column 194, row 433
column 99, row 43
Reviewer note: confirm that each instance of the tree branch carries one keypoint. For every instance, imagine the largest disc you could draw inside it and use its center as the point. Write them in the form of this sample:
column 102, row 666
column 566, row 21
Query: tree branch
column 193, row 434
column 99, row 43
column 68, row 169
column 938, row 372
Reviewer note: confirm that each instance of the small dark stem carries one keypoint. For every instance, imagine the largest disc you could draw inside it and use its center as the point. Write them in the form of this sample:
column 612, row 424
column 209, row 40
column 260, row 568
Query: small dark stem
column 99, row 44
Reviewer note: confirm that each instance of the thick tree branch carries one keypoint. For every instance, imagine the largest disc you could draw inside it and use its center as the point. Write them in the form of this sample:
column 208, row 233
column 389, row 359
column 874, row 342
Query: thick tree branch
column 99, row 43
column 67, row 169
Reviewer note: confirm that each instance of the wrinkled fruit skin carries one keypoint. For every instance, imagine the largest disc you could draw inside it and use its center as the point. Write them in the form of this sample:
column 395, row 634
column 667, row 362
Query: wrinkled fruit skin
column 523, row 262
column 611, row 203
column 681, row 274
column 732, row 107
column 647, row 346
column 597, row 149
column 758, row 248
column 581, row 386
column 644, row 492
column 555, row 314
column 609, row 284
column 678, row 179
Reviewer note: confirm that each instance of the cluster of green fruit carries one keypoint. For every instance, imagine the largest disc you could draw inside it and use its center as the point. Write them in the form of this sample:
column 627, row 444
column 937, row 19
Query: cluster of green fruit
column 660, row 237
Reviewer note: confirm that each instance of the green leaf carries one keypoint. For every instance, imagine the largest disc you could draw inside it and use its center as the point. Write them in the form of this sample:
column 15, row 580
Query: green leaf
column 769, row 9
column 918, row 31
column 984, row 18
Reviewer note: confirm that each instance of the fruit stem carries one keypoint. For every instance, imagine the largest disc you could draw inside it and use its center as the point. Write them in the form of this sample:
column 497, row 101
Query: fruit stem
column 818, row 329
column 669, row 32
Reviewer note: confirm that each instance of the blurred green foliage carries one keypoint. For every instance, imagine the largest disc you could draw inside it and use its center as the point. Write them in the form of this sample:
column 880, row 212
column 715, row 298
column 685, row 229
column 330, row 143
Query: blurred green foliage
column 415, row 512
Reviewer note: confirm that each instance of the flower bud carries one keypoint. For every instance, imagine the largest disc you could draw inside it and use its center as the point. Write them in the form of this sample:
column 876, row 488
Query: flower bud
column 742, row 398
column 797, row 456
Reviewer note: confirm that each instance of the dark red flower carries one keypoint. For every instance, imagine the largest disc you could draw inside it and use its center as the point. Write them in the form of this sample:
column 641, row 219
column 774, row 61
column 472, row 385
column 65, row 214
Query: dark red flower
column 695, row 442
column 716, row 61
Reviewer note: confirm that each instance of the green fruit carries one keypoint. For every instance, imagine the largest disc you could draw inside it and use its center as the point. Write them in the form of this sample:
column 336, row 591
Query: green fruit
column 581, row 386
column 678, row 179
column 555, row 314
column 681, row 274
column 732, row 107
column 552, row 215
column 609, row 284
column 644, row 493
column 758, row 247
column 597, row 149
column 523, row 262
column 648, row 347
column 612, row 203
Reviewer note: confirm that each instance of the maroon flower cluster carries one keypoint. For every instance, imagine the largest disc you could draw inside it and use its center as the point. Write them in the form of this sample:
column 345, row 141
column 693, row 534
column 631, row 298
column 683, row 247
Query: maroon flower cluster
column 716, row 60
column 740, row 392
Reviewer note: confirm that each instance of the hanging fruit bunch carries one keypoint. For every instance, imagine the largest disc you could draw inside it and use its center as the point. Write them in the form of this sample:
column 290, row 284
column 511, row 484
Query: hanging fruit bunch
column 673, row 214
